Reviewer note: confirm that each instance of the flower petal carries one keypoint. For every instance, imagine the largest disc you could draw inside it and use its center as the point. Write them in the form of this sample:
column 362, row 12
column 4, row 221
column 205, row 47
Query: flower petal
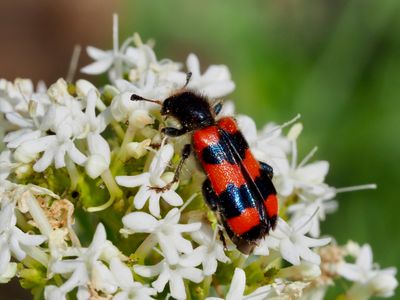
column 161, row 281
column 176, row 286
column 172, row 198
column 168, row 248
column 133, row 181
column 289, row 252
column 154, row 204
column 238, row 284
column 140, row 222
column 149, row 271
column 98, row 67
column 122, row 273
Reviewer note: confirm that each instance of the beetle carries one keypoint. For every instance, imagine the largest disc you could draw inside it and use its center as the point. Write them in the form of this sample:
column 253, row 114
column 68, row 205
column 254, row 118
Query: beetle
column 238, row 187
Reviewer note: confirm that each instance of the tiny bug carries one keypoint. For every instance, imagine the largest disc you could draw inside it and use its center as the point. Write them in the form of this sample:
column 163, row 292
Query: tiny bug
column 238, row 187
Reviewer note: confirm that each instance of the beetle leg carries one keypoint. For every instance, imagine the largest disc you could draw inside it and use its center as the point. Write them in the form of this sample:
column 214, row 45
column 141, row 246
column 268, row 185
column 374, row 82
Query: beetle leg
column 267, row 168
column 185, row 154
column 174, row 132
column 222, row 237
column 209, row 195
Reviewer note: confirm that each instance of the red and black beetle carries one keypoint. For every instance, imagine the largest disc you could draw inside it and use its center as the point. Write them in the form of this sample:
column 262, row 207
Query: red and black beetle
column 238, row 187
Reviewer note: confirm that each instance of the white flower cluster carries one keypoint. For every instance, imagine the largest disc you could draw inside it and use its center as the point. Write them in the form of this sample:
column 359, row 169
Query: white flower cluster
column 74, row 152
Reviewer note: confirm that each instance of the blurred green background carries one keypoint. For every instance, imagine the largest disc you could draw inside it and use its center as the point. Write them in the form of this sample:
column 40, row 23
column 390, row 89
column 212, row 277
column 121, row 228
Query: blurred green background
column 335, row 62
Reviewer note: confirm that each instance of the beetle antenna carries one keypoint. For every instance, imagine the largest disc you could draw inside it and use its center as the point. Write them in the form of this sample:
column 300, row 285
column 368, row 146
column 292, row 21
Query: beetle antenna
column 188, row 76
column 135, row 97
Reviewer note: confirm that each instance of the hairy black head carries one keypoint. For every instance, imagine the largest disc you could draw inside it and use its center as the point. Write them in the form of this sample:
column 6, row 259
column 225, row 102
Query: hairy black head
column 192, row 110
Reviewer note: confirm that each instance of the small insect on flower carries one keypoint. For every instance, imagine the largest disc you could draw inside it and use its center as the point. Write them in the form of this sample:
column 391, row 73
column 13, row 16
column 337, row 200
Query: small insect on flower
column 238, row 187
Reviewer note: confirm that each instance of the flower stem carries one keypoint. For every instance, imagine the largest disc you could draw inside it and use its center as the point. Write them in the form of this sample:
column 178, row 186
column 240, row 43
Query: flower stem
column 206, row 286
column 37, row 254
column 241, row 261
column 145, row 247
column 73, row 173
column 117, row 59
column 121, row 154
column 118, row 130
column 113, row 189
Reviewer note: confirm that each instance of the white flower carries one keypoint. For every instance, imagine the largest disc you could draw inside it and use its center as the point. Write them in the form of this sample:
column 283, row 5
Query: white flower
column 323, row 205
column 145, row 61
column 292, row 243
column 287, row 290
column 129, row 289
column 138, row 149
column 138, row 61
column 303, row 272
column 209, row 252
column 65, row 118
column 100, row 155
column 55, row 147
column 167, row 232
column 136, row 112
column 24, row 110
column 85, row 269
column 215, row 82
column 382, row 284
column 58, row 93
column 174, row 274
column 237, row 286
column 15, row 96
column 5, row 164
column 9, row 273
column 13, row 241
column 369, row 279
column 103, row 60
column 112, row 60
column 149, row 88
column 152, row 183
column 301, row 178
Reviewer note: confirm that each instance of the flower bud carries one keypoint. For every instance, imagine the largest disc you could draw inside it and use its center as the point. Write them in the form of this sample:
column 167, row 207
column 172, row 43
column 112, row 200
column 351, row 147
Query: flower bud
column 304, row 271
column 140, row 118
column 24, row 86
column 23, row 155
column 95, row 166
column 137, row 150
column 121, row 105
column 352, row 248
column 295, row 131
column 9, row 273
column 23, row 171
column 383, row 285
column 83, row 87
column 59, row 91
column 110, row 251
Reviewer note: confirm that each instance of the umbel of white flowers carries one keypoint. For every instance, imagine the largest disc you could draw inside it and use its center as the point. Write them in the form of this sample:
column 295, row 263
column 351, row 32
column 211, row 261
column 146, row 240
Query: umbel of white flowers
column 81, row 163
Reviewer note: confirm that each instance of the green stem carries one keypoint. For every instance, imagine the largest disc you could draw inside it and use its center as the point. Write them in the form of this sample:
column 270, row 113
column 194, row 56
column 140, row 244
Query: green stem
column 145, row 247
column 73, row 173
column 206, row 286
column 270, row 259
column 118, row 130
column 113, row 189
column 122, row 155
column 21, row 221
column 188, row 293
column 241, row 261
